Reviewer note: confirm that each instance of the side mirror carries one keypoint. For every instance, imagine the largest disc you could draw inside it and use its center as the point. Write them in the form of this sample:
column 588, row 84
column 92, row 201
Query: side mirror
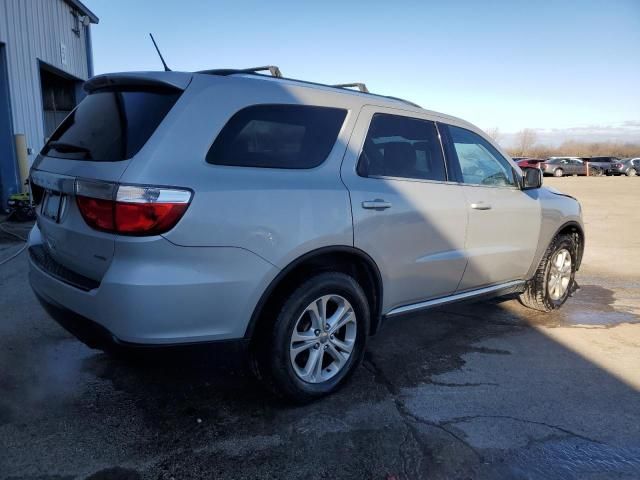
column 532, row 178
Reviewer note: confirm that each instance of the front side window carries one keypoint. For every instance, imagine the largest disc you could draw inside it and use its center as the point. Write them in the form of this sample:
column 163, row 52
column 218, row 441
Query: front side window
column 478, row 162
column 278, row 136
column 403, row 147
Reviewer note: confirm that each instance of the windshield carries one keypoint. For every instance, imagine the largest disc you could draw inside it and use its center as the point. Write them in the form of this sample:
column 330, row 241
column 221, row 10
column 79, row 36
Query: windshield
column 110, row 125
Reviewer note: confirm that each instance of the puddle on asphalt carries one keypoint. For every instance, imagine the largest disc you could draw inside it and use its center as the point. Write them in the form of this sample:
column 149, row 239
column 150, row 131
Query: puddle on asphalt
column 592, row 305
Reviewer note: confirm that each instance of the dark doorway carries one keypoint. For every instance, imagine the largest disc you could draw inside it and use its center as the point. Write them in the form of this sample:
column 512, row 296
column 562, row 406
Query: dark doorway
column 8, row 175
column 58, row 98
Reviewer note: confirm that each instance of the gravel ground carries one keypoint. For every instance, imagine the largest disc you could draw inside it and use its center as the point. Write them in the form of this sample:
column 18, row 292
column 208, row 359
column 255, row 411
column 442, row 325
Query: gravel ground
column 488, row 390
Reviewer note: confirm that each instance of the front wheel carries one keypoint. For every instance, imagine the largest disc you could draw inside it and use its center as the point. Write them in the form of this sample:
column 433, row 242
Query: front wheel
column 317, row 340
column 554, row 279
column 631, row 172
column 558, row 172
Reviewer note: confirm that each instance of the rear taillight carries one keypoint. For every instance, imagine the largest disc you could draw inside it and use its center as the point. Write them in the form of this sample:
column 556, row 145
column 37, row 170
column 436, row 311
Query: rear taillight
column 617, row 165
column 131, row 209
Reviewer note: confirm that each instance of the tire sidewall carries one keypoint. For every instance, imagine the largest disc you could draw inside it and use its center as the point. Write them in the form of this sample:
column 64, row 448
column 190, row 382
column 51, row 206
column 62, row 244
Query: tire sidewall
column 559, row 244
column 322, row 284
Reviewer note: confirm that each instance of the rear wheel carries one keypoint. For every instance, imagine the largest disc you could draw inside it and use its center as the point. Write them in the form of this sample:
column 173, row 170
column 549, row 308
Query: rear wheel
column 554, row 279
column 595, row 172
column 558, row 172
column 631, row 172
column 317, row 340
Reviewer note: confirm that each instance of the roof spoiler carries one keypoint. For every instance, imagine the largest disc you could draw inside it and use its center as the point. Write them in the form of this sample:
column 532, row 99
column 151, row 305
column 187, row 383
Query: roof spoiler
column 164, row 81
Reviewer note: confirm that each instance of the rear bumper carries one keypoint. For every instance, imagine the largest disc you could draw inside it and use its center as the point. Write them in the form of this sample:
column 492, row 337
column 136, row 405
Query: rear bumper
column 157, row 293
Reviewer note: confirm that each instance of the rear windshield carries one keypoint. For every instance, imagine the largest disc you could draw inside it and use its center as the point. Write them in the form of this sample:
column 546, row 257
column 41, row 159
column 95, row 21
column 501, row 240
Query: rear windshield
column 278, row 136
column 110, row 125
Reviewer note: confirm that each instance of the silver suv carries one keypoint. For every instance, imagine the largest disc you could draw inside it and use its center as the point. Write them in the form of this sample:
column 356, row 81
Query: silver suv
column 298, row 218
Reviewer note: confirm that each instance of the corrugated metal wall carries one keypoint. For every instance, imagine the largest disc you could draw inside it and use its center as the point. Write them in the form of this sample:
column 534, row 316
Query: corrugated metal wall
column 33, row 31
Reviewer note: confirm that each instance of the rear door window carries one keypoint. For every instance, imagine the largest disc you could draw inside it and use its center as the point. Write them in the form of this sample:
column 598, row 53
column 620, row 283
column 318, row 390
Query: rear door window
column 110, row 125
column 403, row 147
column 278, row 136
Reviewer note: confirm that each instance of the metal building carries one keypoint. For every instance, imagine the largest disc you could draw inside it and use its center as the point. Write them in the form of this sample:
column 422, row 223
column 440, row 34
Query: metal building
column 45, row 55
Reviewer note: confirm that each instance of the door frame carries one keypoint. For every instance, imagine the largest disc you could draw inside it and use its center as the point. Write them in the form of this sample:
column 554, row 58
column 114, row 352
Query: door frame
column 8, row 163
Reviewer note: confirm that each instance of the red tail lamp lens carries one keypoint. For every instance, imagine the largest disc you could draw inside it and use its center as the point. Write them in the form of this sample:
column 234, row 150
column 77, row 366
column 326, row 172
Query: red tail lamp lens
column 136, row 210
column 97, row 213
column 147, row 218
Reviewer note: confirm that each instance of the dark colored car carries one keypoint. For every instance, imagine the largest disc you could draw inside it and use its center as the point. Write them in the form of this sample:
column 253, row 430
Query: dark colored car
column 560, row 166
column 528, row 162
column 629, row 167
column 605, row 163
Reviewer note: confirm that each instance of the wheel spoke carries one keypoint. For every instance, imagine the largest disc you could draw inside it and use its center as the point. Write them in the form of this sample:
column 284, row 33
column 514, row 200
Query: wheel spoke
column 338, row 357
column 347, row 316
column 301, row 347
column 342, row 346
column 302, row 336
column 317, row 367
column 308, row 372
column 317, row 310
column 337, row 315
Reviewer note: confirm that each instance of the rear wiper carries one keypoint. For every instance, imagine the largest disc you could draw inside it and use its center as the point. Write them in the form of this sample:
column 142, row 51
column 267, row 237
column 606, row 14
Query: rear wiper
column 67, row 147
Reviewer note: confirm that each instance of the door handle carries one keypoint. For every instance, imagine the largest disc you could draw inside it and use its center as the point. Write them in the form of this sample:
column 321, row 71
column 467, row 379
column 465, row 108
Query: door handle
column 377, row 204
column 481, row 206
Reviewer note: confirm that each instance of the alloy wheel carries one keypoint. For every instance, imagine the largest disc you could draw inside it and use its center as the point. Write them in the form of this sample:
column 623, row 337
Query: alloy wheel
column 323, row 339
column 559, row 274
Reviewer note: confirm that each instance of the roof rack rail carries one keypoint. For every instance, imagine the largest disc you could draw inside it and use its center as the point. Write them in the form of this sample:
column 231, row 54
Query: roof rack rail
column 360, row 86
column 273, row 70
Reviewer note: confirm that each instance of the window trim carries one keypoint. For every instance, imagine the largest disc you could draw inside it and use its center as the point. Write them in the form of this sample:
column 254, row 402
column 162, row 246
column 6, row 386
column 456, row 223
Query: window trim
column 389, row 177
column 346, row 112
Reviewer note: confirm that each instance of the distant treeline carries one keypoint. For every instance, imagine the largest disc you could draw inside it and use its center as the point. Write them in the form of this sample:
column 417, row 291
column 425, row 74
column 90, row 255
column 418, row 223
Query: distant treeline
column 575, row 148
column 526, row 144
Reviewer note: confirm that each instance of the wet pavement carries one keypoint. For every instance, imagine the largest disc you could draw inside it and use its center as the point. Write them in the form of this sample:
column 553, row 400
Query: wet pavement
column 490, row 390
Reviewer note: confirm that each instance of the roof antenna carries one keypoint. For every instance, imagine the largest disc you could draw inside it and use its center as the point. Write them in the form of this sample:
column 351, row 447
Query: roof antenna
column 166, row 68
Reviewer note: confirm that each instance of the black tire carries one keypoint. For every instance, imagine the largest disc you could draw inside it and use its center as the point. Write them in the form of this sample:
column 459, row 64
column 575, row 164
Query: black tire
column 558, row 172
column 270, row 357
column 536, row 294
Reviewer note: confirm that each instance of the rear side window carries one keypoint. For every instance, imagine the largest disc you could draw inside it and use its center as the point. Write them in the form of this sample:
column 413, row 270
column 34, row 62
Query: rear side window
column 278, row 136
column 403, row 147
column 110, row 125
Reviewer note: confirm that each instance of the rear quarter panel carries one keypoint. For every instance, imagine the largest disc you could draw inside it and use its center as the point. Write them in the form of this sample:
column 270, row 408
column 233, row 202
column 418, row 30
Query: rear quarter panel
column 277, row 214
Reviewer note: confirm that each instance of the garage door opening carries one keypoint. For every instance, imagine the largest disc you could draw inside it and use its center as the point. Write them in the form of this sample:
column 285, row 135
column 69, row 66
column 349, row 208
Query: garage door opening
column 58, row 98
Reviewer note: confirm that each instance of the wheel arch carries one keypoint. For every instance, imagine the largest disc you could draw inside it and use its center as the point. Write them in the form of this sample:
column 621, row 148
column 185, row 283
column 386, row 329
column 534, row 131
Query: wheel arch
column 573, row 228
column 350, row 260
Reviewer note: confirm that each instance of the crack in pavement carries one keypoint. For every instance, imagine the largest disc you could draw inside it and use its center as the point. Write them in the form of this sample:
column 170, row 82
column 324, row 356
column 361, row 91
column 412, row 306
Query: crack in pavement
column 467, row 384
column 407, row 416
column 523, row 420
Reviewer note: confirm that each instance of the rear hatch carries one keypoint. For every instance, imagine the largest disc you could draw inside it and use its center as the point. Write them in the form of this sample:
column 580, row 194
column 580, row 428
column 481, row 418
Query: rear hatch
column 94, row 145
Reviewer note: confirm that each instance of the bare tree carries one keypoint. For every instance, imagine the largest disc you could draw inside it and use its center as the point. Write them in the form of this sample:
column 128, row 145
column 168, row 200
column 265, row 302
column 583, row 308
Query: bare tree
column 525, row 139
column 578, row 148
column 494, row 133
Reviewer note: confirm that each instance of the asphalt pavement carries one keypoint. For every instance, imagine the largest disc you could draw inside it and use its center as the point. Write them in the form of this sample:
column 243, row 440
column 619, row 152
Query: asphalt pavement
column 488, row 390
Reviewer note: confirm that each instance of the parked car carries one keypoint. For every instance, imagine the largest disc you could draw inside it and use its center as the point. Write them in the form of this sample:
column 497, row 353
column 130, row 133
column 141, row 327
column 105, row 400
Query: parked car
column 560, row 166
column 528, row 162
column 629, row 167
column 292, row 217
column 604, row 163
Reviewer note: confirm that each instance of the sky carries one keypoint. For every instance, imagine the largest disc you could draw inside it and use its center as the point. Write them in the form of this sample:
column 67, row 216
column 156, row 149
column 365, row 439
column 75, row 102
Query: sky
column 564, row 67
